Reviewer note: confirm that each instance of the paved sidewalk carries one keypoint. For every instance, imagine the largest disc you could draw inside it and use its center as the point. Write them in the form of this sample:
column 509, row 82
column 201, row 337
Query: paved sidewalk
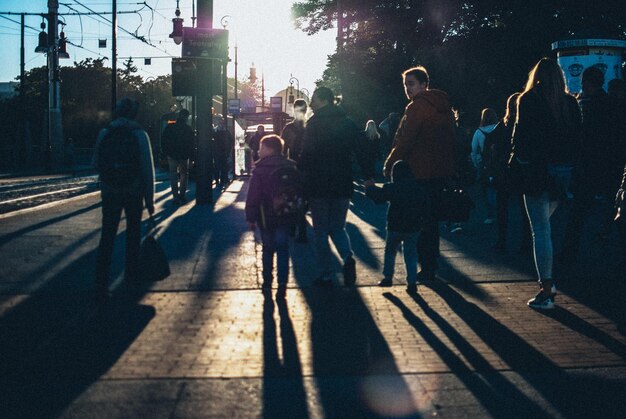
column 206, row 342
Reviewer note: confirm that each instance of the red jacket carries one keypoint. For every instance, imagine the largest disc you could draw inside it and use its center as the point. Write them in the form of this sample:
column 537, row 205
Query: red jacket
column 425, row 137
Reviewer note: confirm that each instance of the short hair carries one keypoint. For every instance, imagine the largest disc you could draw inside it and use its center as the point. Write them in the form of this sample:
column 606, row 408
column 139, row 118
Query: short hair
column 325, row 94
column 300, row 103
column 488, row 117
column 273, row 142
column 594, row 76
column 419, row 73
column 126, row 108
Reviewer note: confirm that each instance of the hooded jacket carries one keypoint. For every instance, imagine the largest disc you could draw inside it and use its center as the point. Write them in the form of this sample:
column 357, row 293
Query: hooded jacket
column 330, row 141
column 145, row 186
column 425, row 138
column 408, row 201
column 259, row 190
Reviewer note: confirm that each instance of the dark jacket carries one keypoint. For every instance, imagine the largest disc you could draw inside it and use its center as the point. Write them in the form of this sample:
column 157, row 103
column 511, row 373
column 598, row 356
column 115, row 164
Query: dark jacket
column 408, row 201
column 425, row 138
column 539, row 142
column 177, row 140
column 293, row 135
column 330, row 141
column 259, row 190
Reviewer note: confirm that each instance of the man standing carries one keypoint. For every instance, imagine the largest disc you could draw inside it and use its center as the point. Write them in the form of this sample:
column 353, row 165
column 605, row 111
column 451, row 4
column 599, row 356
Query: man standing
column 123, row 158
column 293, row 135
column 425, row 140
column 177, row 145
column 330, row 140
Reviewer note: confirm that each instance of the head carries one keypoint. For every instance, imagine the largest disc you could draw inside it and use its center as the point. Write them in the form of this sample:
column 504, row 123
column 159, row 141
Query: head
column 593, row 80
column 126, row 108
column 547, row 79
column 488, row 117
column 370, row 129
column 299, row 108
column 511, row 109
column 400, row 170
column 260, row 129
column 183, row 115
column 617, row 88
column 322, row 96
column 415, row 80
column 271, row 145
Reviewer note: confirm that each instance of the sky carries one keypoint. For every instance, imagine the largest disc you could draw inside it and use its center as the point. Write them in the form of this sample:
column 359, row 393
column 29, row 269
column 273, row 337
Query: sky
column 262, row 30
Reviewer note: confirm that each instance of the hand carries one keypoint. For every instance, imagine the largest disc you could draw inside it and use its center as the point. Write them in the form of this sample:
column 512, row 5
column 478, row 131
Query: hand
column 252, row 225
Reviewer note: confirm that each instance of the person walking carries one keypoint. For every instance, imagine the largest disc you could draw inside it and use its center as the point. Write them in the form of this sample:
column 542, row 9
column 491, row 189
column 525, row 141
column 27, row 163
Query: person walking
column 545, row 142
column 178, row 143
column 223, row 149
column 330, row 141
column 255, row 142
column 407, row 204
column 426, row 141
column 293, row 135
column 481, row 153
column 259, row 212
column 123, row 159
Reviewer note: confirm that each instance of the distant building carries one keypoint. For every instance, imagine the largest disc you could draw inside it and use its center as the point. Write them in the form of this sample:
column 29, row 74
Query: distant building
column 8, row 89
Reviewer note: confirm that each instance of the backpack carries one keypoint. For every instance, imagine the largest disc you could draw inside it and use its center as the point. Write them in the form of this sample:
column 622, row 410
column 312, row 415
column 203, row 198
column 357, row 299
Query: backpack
column 489, row 151
column 285, row 200
column 118, row 157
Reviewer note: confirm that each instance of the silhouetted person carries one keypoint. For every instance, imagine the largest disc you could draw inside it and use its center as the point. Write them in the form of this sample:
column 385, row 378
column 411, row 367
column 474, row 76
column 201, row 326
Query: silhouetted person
column 255, row 140
column 177, row 142
column 123, row 158
column 223, row 148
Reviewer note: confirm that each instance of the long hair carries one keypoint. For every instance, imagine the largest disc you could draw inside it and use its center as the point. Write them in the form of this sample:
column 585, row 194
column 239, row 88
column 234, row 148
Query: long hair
column 488, row 117
column 511, row 109
column 547, row 79
column 371, row 131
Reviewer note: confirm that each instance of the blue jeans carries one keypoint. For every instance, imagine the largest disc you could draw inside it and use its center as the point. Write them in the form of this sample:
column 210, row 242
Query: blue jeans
column 409, row 251
column 329, row 220
column 540, row 208
column 275, row 240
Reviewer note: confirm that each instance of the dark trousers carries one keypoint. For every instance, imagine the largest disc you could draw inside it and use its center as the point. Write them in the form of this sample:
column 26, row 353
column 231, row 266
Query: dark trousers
column 503, row 196
column 428, row 242
column 112, row 205
column 221, row 170
column 275, row 241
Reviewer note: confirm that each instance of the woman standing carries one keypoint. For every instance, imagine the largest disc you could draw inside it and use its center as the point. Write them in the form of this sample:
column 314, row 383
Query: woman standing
column 488, row 123
column 545, row 141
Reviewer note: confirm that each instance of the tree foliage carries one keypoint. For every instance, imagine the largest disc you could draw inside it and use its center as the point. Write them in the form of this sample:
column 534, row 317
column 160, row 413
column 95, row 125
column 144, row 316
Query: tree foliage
column 477, row 51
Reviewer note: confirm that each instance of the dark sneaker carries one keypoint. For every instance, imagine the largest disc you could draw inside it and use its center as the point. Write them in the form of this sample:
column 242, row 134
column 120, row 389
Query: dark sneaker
column 182, row 199
column 425, row 276
column 349, row 272
column 281, row 292
column 541, row 301
column 411, row 289
column 385, row 282
column 323, row 282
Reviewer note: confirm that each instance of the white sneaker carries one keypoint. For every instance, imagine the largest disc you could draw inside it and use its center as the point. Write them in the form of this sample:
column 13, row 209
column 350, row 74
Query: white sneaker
column 488, row 221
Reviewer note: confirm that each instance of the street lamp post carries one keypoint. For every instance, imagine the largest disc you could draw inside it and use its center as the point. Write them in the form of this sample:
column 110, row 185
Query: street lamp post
column 291, row 80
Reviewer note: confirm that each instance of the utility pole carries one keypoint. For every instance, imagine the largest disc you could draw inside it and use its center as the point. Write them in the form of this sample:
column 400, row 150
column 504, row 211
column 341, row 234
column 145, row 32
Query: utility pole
column 113, row 57
column 204, row 117
column 55, row 127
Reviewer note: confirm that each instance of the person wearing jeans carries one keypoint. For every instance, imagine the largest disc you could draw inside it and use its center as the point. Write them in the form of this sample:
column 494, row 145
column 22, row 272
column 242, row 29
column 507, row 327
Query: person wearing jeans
column 545, row 143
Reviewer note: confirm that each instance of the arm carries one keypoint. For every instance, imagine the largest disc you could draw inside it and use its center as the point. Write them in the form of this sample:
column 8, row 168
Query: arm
column 476, row 148
column 407, row 133
column 376, row 194
column 253, row 202
column 147, row 169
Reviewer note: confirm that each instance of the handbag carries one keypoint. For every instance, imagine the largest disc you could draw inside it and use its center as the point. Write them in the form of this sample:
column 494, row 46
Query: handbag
column 455, row 205
column 153, row 263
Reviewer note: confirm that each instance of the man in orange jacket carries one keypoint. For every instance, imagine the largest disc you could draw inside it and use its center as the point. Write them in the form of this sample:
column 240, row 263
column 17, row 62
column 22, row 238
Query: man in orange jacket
column 425, row 140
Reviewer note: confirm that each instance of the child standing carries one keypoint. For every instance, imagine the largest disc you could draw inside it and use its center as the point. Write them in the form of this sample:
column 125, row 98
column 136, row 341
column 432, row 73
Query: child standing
column 407, row 203
column 274, row 227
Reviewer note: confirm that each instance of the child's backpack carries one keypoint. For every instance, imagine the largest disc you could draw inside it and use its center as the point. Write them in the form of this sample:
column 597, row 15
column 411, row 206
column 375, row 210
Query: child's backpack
column 285, row 199
column 118, row 157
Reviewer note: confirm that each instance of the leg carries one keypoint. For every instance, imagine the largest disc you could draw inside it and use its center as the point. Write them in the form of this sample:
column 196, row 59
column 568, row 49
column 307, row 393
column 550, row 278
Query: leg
column 502, row 204
column 409, row 251
column 428, row 242
column 539, row 210
column 281, row 242
column 183, row 167
column 111, row 212
column 391, row 248
column 173, row 169
column 268, row 239
column 337, row 227
column 133, row 208
column 581, row 205
column 319, row 214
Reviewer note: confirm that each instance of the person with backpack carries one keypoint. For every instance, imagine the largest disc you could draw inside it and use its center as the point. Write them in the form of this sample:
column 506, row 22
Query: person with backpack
column 408, row 203
column 545, row 144
column 482, row 150
column 178, row 143
column 273, row 203
column 123, row 159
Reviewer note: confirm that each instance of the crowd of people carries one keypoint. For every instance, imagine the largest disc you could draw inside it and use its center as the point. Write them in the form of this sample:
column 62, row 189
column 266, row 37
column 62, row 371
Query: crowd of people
column 549, row 147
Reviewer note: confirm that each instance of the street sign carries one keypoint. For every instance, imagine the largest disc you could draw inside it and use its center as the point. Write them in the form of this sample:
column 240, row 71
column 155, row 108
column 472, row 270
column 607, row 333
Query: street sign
column 276, row 104
column 205, row 43
column 234, row 106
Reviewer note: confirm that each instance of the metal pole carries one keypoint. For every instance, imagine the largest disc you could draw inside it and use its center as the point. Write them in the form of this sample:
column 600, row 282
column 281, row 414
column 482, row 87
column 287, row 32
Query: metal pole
column 55, row 128
column 22, row 65
column 236, row 71
column 114, row 57
column 204, row 181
